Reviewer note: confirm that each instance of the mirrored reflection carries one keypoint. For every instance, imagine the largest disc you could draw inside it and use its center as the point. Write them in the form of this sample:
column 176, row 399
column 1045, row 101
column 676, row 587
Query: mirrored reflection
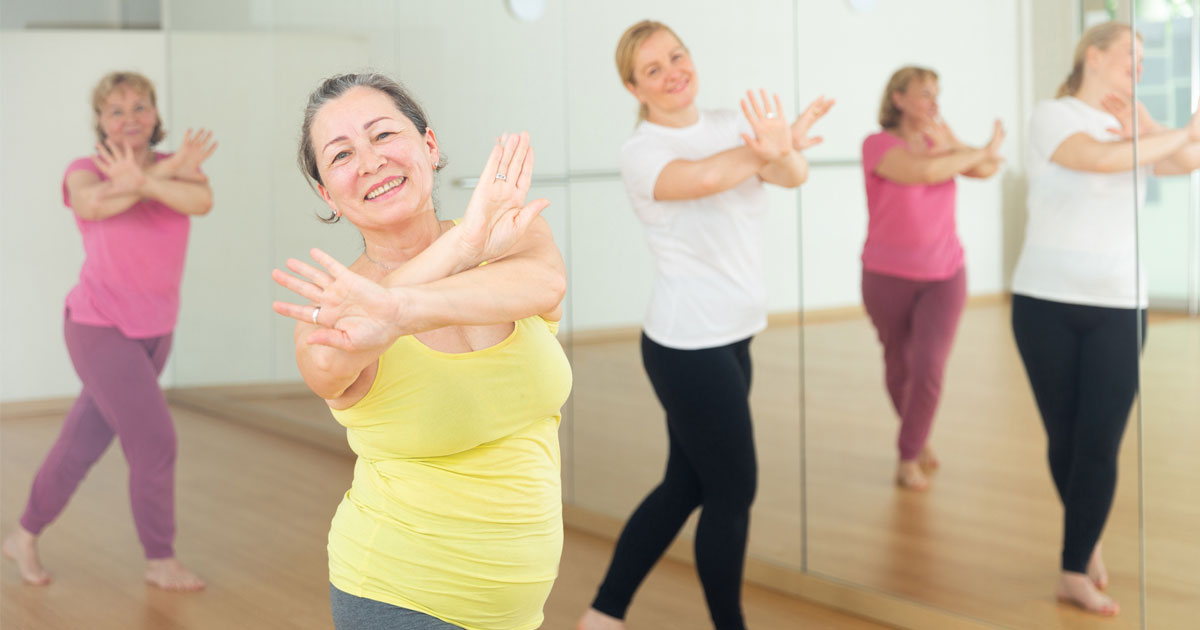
column 624, row 274
column 926, row 451
column 971, row 524
column 1168, row 248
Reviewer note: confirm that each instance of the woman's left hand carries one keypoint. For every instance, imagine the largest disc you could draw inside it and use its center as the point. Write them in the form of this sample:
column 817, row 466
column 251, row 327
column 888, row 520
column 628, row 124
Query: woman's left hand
column 352, row 313
column 772, row 135
column 1122, row 109
column 497, row 215
column 805, row 121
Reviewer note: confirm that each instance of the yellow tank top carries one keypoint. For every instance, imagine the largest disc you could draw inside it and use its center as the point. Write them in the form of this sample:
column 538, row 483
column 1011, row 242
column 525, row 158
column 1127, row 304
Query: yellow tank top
column 456, row 505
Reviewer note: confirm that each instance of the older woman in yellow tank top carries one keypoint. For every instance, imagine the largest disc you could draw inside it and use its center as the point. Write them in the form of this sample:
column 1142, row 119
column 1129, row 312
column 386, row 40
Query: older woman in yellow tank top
column 444, row 371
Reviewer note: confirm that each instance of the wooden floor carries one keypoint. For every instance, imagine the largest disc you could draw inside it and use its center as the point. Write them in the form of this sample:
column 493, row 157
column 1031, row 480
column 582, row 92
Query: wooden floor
column 254, row 510
column 983, row 543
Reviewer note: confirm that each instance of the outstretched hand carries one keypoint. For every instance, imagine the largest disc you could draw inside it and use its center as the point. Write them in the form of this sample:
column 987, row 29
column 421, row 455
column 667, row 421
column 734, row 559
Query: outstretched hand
column 993, row 145
column 805, row 121
column 196, row 148
column 119, row 165
column 940, row 136
column 497, row 215
column 351, row 313
column 1123, row 109
column 772, row 138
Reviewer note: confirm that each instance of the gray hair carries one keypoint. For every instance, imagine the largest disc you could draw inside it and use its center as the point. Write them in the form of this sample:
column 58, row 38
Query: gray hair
column 336, row 86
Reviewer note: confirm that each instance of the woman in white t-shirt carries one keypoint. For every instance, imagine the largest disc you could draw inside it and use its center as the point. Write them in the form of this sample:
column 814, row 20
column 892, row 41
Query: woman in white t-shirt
column 1078, row 295
column 695, row 179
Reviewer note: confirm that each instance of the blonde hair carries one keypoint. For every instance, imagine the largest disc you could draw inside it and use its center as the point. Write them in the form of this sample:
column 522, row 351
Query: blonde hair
column 627, row 49
column 1100, row 36
column 889, row 114
column 114, row 81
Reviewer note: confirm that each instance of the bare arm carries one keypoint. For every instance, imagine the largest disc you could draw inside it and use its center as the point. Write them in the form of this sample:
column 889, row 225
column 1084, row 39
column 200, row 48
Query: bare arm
column 93, row 199
column 902, row 166
column 788, row 172
column 1181, row 162
column 369, row 318
column 180, row 195
column 693, row 179
column 442, row 286
column 176, row 181
column 1081, row 152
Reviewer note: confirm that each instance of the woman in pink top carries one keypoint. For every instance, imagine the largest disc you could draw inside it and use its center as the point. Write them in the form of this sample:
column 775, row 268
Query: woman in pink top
column 132, row 206
column 914, row 283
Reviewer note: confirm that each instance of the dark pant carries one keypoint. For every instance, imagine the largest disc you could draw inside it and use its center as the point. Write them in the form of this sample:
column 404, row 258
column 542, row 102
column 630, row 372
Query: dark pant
column 1082, row 366
column 351, row 612
column 711, row 464
column 120, row 398
column 916, row 321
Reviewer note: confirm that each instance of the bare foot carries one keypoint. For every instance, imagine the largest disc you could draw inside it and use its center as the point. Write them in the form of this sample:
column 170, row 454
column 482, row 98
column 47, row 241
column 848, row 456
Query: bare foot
column 1077, row 588
column 928, row 461
column 21, row 547
column 596, row 620
column 910, row 476
column 1096, row 571
column 168, row 574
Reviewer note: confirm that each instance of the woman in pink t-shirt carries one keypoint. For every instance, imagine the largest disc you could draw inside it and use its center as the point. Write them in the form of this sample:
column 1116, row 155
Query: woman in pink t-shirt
column 914, row 283
column 132, row 206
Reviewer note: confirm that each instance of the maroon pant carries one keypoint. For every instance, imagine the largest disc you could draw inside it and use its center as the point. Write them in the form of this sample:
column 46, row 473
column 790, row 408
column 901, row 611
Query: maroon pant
column 120, row 398
column 916, row 321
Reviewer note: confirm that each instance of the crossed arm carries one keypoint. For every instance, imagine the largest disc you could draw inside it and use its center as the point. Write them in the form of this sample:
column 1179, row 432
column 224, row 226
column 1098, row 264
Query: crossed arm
column 774, row 154
column 176, row 181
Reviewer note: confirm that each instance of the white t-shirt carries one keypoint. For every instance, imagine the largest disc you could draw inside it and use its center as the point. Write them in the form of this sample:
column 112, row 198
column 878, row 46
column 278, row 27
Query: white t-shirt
column 708, row 289
column 1080, row 236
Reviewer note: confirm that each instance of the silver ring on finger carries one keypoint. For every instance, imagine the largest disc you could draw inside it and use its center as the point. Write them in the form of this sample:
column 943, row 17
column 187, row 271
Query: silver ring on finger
column 502, row 177
column 316, row 311
column 772, row 115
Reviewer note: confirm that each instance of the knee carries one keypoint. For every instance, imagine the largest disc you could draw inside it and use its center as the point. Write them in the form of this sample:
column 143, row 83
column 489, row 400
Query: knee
column 153, row 448
column 736, row 490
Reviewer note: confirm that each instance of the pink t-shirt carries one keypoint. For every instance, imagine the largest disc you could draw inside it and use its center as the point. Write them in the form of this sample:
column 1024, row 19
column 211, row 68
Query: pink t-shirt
column 133, row 266
column 911, row 231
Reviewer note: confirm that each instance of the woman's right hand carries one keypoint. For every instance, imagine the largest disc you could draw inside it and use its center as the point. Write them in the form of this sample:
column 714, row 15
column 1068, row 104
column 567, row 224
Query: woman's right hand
column 353, row 313
column 497, row 215
column 119, row 165
column 772, row 134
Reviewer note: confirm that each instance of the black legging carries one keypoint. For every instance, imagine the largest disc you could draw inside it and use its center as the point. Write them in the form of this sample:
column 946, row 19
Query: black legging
column 1082, row 365
column 711, row 463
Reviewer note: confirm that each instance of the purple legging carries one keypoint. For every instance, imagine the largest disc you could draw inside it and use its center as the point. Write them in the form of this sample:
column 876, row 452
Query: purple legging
column 916, row 321
column 120, row 397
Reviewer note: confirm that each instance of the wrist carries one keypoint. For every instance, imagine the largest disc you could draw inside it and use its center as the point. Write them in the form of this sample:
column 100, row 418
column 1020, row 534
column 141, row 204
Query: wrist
column 400, row 311
column 464, row 254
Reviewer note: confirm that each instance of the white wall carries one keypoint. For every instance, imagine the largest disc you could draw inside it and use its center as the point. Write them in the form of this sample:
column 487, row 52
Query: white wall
column 245, row 69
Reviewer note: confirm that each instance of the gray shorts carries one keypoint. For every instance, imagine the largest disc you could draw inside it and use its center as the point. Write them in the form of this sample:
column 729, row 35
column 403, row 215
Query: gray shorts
column 351, row 612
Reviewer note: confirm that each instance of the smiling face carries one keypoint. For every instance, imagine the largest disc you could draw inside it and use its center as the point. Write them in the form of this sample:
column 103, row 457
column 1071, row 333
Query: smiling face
column 1113, row 66
column 918, row 102
column 128, row 116
column 663, row 76
column 375, row 167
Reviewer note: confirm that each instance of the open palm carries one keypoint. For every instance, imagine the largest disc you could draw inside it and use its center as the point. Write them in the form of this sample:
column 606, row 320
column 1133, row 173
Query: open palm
column 355, row 314
column 497, row 214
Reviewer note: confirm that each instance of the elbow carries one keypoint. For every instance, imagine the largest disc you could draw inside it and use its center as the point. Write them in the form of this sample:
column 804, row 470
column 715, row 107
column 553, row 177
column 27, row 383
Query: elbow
column 205, row 207
column 709, row 183
column 930, row 176
column 87, row 212
column 555, row 290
